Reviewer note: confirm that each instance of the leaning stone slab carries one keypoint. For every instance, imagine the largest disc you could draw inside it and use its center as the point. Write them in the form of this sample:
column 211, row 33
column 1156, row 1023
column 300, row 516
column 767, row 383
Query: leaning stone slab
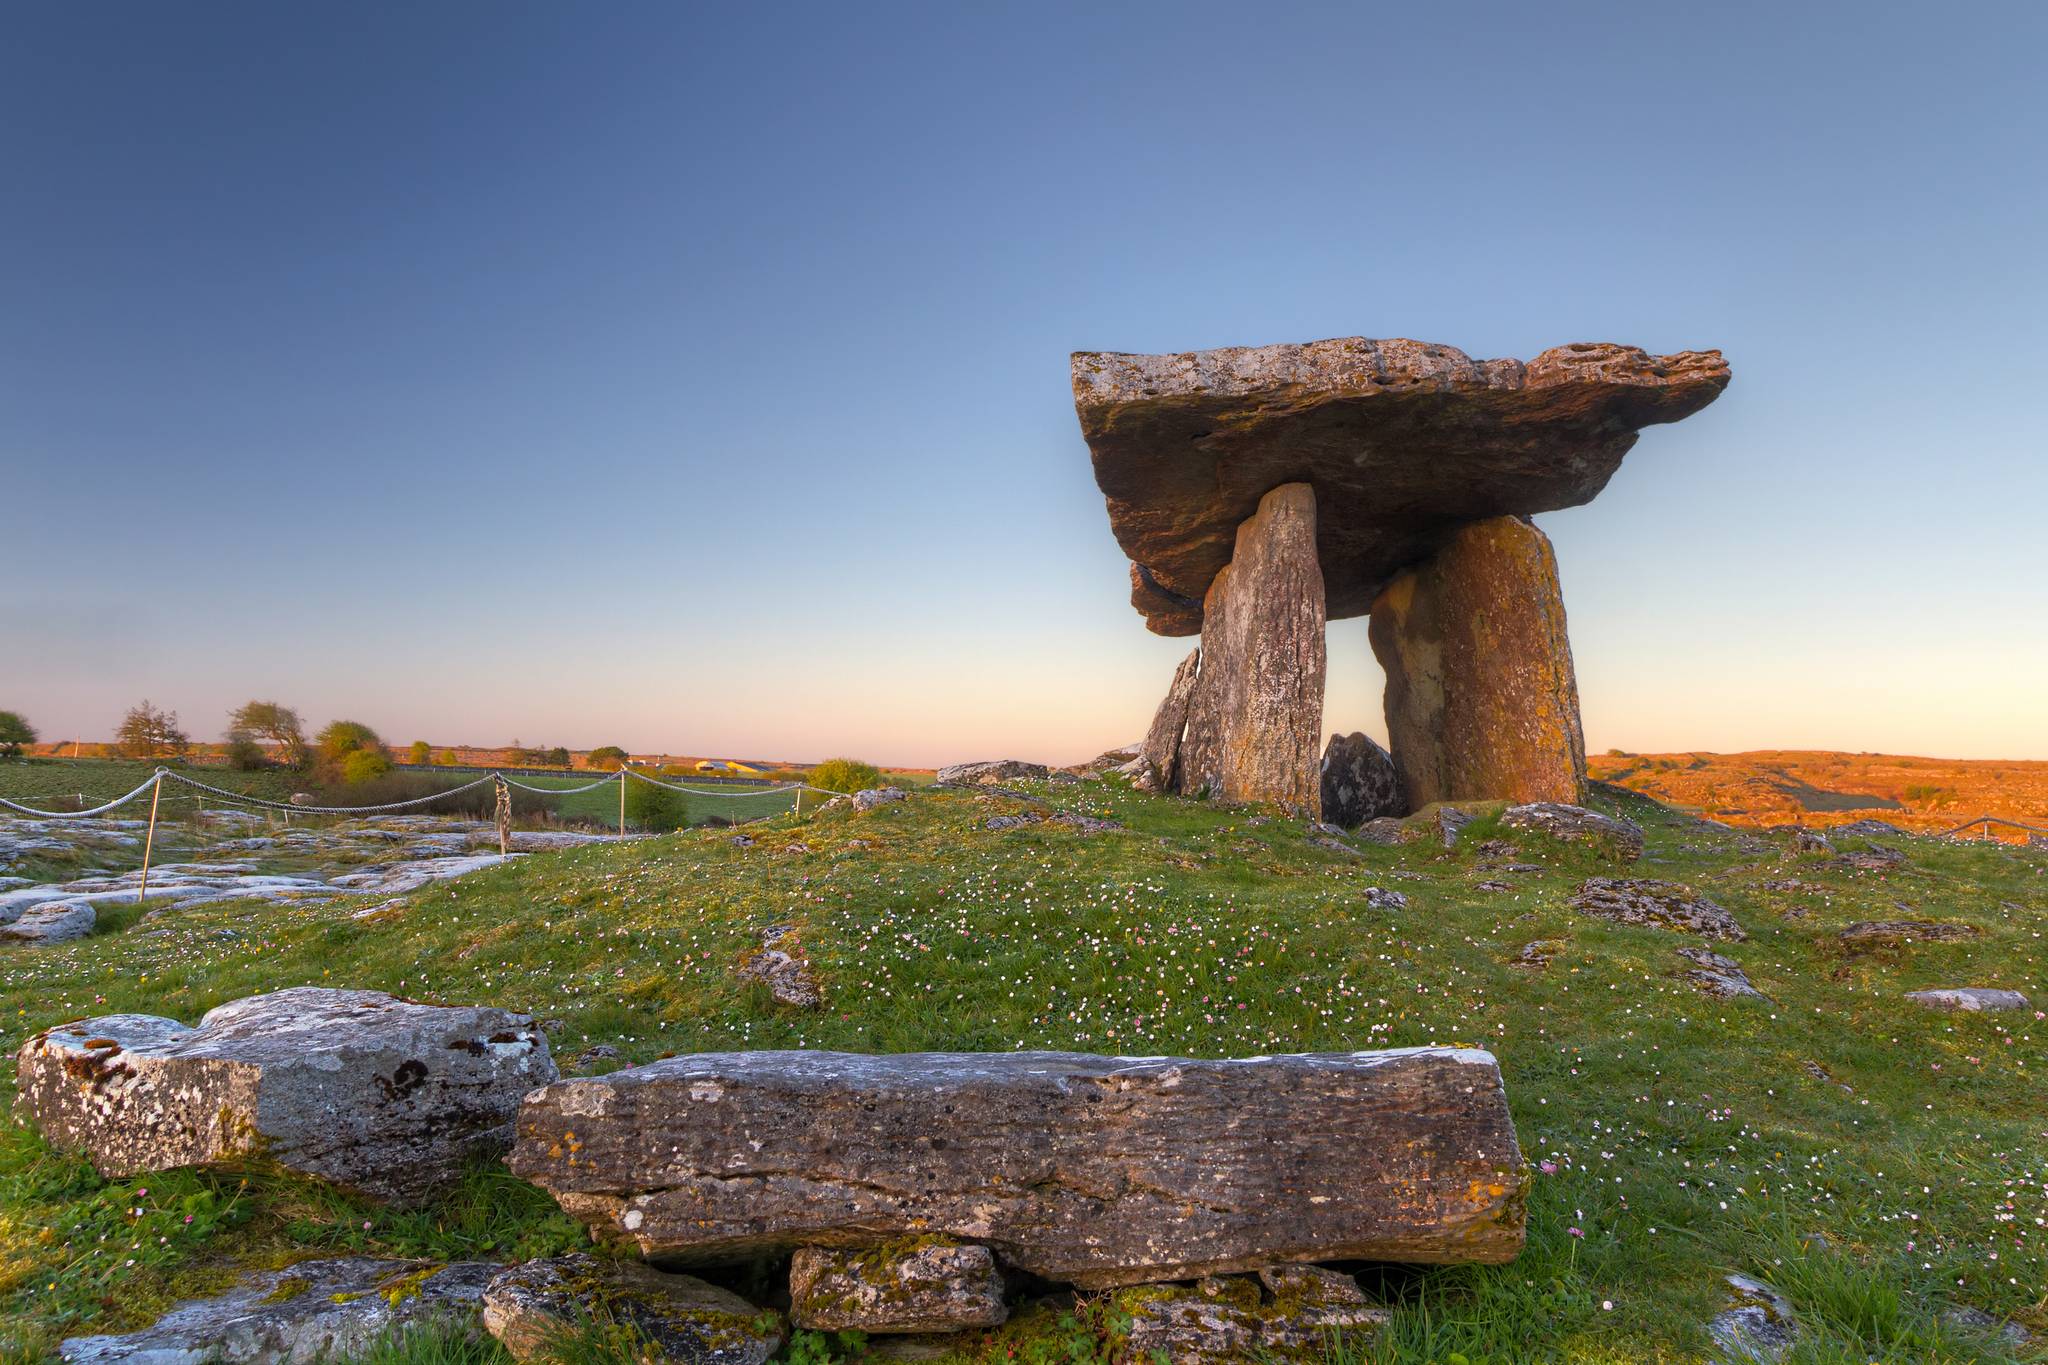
column 1159, row 756
column 1095, row 1171
column 379, row 1095
column 933, row 1287
column 531, row 1307
column 1402, row 441
column 1970, row 999
column 310, row 1312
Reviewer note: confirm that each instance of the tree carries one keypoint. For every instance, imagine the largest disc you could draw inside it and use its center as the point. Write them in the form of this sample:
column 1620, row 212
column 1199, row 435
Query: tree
column 607, row 758
column 558, row 757
column 338, row 740
column 272, row 723
column 146, row 732
column 244, row 753
column 446, row 759
column 14, row 734
column 845, row 775
column 422, row 753
column 654, row 808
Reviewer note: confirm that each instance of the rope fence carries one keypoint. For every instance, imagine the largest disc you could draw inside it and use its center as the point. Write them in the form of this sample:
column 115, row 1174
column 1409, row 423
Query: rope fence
column 154, row 787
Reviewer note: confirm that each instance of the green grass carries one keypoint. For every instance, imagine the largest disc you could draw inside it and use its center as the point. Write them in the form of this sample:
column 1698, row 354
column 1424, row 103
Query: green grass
column 1682, row 1137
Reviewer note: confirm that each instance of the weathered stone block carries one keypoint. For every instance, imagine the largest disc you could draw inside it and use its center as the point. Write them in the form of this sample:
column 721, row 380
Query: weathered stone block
column 1159, row 755
column 376, row 1094
column 531, row 1307
column 1482, row 703
column 1097, row 1171
column 1255, row 719
column 933, row 1287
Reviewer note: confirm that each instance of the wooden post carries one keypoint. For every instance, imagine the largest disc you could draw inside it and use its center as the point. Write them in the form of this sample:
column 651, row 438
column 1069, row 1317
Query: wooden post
column 799, row 799
column 149, row 844
column 622, row 800
column 504, row 819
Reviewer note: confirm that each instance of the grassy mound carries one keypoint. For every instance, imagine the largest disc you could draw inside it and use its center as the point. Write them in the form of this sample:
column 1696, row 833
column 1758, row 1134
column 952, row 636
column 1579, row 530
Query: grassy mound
column 1878, row 1163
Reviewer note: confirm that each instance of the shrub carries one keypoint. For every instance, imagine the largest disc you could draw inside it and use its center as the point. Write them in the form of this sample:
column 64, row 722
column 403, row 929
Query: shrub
column 845, row 775
column 244, row 754
column 420, row 754
column 607, row 758
column 445, row 759
column 340, row 739
column 14, row 734
column 654, row 808
column 364, row 765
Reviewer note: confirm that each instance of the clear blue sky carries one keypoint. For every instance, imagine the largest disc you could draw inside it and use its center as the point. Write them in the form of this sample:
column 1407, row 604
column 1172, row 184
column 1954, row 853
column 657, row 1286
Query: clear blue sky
column 694, row 377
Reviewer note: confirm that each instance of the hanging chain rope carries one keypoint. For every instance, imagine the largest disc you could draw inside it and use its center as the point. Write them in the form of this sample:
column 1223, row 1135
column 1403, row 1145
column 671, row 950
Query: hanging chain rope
column 266, row 803
column 115, row 804
column 751, row 791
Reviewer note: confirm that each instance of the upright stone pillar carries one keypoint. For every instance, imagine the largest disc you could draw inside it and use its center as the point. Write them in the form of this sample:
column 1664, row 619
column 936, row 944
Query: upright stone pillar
column 1255, row 720
column 1482, row 703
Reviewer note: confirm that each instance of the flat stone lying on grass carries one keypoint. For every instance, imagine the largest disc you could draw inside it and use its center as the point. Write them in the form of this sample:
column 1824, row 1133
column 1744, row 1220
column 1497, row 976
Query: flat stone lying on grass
column 54, row 921
column 1758, row 1327
column 1717, row 975
column 1623, row 839
column 1876, row 858
column 306, row 1313
column 1657, row 905
column 531, row 1307
column 1095, row 1171
column 894, row 1290
column 375, row 1094
column 781, row 965
column 1893, row 933
column 1867, row 829
column 877, row 796
column 1969, row 999
column 1226, row 1321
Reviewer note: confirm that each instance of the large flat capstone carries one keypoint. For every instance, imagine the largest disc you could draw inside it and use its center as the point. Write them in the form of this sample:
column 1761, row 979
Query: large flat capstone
column 379, row 1095
column 1096, row 1171
column 1403, row 441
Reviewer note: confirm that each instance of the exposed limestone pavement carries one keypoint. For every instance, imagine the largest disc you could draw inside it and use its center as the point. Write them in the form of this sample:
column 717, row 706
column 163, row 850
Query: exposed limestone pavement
column 1657, row 904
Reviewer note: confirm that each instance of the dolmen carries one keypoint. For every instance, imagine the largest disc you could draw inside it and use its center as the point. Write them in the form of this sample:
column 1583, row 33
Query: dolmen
column 1261, row 492
column 382, row 1096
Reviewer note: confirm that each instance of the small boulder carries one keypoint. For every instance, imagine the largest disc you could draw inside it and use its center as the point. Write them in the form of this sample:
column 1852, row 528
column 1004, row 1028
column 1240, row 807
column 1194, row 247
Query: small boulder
column 1619, row 839
column 530, row 1307
column 990, row 772
column 1359, row 782
column 306, row 1313
column 1084, row 824
column 877, row 796
column 1657, row 905
column 1811, row 841
column 379, row 1095
column 1758, row 1327
column 1969, row 999
column 1537, row 953
column 1716, row 975
column 891, row 1290
column 1380, row 898
column 781, row 964
column 49, row 922
column 1875, row 858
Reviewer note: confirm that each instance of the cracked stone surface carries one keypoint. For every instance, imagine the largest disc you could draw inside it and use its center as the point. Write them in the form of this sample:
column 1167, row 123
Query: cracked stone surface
column 929, row 1288
column 1403, row 441
column 306, row 1313
column 1576, row 824
column 1227, row 1321
column 1656, row 905
column 1096, row 1171
column 375, row 1094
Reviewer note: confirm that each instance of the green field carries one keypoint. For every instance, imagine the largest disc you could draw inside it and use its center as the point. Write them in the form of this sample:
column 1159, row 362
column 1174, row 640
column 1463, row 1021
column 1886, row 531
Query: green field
column 1877, row 1162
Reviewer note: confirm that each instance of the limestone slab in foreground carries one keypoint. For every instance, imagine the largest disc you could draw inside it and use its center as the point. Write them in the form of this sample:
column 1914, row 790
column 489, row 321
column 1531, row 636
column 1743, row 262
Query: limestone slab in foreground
column 380, row 1095
column 313, row 1311
column 1097, row 1171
